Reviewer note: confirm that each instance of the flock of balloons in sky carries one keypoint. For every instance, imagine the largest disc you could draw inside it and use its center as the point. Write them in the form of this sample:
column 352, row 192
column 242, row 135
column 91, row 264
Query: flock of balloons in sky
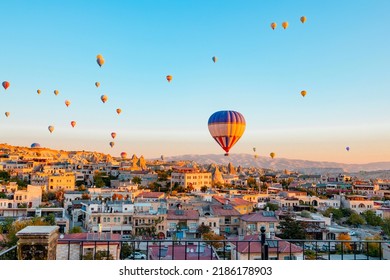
column 226, row 127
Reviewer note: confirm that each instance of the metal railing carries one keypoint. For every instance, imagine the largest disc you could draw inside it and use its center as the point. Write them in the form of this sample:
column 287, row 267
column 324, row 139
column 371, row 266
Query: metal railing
column 9, row 254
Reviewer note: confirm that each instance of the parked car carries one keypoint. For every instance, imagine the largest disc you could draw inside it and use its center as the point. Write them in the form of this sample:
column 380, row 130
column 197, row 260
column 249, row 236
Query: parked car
column 136, row 256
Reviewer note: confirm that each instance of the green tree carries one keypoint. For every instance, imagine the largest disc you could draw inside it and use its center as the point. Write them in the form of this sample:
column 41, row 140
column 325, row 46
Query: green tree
column 4, row 176
column 355, row 220
column 203, row 229
column 76, row 229
column 291, row 229
column 371, row 218
column 100, row 255
column 16, row 226
column 251, row 182
column 337, row 214
column 213, row 237
column 374, row 249
column 136, row 180
column 203, row 189
column 3, row 195
column 98, row 181
column 271, row 206
column 50, row 219
column 386, row 226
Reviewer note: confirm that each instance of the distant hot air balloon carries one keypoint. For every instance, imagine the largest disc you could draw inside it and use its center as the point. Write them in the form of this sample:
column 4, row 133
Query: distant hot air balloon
column 112, row 144
column 285, row 24
column 273, row 25
column 272, row 155
column 39, row 91
column 123, row 155
column 7, row 114
column 35, row 145
column 56, row 92
column 99, row 56
column 6, row 85
column 100, row 61
column 254, row 149
column 303, row 93
column 118, row 111
column 215, row 59
column 113, row 135
column 162, row 157
column 97, row 84
column 226, row 127
column 255, row 156
column 303, row 19
column 104, row 98
column 73, row 123
column 169, row 78
column 347, row 148
column 51, row 128
column 67, row 103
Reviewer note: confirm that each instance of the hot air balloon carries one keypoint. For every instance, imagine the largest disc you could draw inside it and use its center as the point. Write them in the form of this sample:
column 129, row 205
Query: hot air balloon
column 112, row 144
column 97, row 84
column 113, row 135
column 303, row 93
column 35, row 145
column 285, row 24
column 56, row 92
column 51, row 128
column 67, row 103
column 73, row 123
column 6, row 85
column 255, row 156
column 169, row 78
column 104, row 98
column 215, row 59
column 254, row 149
column 273, row 25
column 162, row 157
column 100, row 61
column 118, row 111
column 99, row 56
column 39, row 91
column 347, row 148
column 303, row 19
column 123, row 155
column 226, row 127
column 7, row 114
column 272, row 155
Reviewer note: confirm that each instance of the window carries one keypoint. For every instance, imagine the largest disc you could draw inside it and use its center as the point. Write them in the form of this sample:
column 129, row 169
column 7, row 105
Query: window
column 271, row 225
column 290, row 258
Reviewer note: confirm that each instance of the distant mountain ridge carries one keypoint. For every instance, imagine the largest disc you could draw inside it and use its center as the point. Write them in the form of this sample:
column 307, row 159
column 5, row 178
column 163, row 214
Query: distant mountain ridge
column 302, row 166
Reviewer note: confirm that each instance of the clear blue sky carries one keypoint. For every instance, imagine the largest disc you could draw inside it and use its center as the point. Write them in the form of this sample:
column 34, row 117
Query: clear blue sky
column 339, row 56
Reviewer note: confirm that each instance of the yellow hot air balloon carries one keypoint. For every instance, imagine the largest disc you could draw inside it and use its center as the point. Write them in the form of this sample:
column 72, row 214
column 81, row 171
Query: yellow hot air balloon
column 51, row 128
column 97, row 84
column 39, row 91
column 118, row 111
column 67, row 103
column 272, row 155
column 112, row 144
column 56, row 92
column 273, row 25
column 303, row 19
column 285, row 24
column 7, row 114
column 100, row 61
column 99, row 56
column 303, row 93
column 113, row 135
column 104, row 98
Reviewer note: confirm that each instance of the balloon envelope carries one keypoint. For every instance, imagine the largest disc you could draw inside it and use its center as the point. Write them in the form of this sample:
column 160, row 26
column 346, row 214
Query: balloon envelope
column 104, row 98
column 67, row 103
column 215, row 59
column 273, row 25
column 303, row 93
column 6, row 84
column 169, row 78
column 113, row 135
column 272, row 155
column 123, row 155
column 112, row 144
column 226, row 127
column 73, row 123
column 100, row 61
column 347, row 148
column 97, row 84
column 7, row 114
column 285, row 24
column 118, row 111
column 51, row 128
column 39, row 91
column 56, row 92
column 35, row 145
column 303, row 19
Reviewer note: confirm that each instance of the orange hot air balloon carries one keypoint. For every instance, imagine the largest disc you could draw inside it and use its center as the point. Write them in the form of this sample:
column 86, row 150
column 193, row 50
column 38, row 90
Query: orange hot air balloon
column 285, row 24
column 303, row 19
column 39, row 91
column 56, row 92
column 215, row 59
column 123, row 155
column 112, row 144
column 7, row 114
column 303, row 93
column 272, row 155
column 67, row 103
column 73, row 123
column 113, row 135
column 273, row 25
column 97, row 84
column 6, row 85
column 100, row 61
column 104, row 98
column 118, row 111
column 51, row 128
column 99, row 56
column 169, row 78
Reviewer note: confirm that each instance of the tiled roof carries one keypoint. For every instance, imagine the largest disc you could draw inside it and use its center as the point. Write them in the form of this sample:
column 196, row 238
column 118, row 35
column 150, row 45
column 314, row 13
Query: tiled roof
column 259, row 217
column 150, row 195
column 187, row 215
column 218, row 210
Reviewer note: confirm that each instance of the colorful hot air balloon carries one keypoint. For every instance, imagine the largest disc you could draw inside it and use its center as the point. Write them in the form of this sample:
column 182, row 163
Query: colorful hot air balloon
column 123, row 155
column 67, row 103
column 51, row 128
column 226, row 127
column 104, row 98
column 56, row 92
column 169, row 78
column 118, row 111
column 215, row 59
column 7, row 114
column 35, row 145
column 6, row 85
column 285, row 24
column 113, row 135
column 273, row 25
column 272, row 155
column 97, row 84
column 347, row 148
column 73, row 123
column 303, row 19
column 99, row 56
column 303, row 93
column 39, row 91
column 100, row 61
column 112, row 144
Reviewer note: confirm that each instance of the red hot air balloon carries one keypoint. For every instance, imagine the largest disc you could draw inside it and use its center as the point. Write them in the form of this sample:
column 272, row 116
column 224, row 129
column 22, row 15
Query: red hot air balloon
column 123, row 155
column 6, row 85
column 113, row 135
column 73, row 123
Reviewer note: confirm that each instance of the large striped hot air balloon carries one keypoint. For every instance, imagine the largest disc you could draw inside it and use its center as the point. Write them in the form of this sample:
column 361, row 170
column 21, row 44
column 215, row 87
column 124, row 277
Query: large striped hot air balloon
column 226, row 127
